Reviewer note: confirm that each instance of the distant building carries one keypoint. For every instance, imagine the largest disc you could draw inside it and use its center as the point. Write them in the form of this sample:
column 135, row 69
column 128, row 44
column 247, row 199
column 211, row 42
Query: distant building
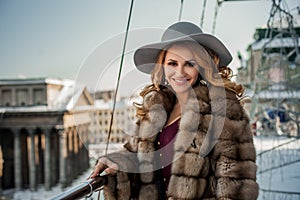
column 122, row 126
column 104, row 95
column 271, row 77
column 43, row 132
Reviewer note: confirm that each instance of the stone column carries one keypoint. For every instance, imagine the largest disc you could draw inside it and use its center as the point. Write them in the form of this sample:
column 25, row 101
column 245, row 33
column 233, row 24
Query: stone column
column 68, row 163
column 80, row 146
column 86, row 146
column 40, row 158
column 75, row 159
column 17, row 159
column 32, row 162
column 71, row 155
column 54, row 158
column 47, row 159
column 63, row 154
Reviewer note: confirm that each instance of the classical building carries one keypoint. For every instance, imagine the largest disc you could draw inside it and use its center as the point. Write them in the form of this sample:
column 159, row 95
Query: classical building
column 43, row 132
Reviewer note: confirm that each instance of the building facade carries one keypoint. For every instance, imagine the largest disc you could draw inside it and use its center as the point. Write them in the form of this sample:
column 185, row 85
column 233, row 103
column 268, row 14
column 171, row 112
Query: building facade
column 43, row 132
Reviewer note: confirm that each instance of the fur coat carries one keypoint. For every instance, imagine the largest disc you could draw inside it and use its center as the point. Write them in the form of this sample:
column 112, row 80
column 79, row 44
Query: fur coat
column 214, row 152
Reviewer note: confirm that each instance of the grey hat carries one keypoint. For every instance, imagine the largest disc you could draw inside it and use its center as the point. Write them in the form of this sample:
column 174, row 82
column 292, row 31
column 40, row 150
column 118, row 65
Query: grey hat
column 145, row 57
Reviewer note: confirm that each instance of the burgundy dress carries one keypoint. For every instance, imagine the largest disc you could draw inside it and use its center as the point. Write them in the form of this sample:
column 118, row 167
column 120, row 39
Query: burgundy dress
column 165, row 152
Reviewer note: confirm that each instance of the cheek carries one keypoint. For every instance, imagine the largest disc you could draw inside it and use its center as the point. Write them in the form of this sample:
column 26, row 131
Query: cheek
column 194, row 73
column 168, row 72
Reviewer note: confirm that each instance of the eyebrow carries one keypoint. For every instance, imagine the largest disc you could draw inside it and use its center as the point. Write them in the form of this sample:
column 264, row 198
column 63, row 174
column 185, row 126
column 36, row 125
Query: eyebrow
column 190, row 61
column 172, row 60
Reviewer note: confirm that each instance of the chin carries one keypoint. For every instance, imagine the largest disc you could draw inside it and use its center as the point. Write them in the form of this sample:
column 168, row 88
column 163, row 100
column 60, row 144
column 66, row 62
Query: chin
column 180, row 90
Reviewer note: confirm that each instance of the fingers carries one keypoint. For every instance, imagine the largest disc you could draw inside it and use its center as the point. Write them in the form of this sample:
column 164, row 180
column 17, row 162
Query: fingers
column 112, row 169
column 104, row 165
column 97, row 169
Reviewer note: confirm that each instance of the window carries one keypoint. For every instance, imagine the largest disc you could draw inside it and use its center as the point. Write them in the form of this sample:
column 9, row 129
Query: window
column 7, row 97
column 22, row 97
column 38, row 96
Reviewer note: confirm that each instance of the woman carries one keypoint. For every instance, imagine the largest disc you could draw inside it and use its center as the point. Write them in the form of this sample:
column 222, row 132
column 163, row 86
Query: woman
column 193, row 139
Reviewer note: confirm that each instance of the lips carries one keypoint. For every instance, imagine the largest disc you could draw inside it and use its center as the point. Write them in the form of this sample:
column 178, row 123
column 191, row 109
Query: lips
column 180, row 81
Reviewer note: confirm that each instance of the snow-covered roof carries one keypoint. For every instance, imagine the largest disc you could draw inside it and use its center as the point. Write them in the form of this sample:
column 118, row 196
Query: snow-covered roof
column 31, row 81
column 68, row 96
column 65, row 99
column 275, row 43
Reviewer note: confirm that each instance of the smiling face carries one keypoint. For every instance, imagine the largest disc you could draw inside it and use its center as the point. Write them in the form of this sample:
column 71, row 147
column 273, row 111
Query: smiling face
column 180, row 68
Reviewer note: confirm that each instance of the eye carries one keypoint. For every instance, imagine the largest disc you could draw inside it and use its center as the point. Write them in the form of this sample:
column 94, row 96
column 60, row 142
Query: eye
column 190, row 64
column 172, row 63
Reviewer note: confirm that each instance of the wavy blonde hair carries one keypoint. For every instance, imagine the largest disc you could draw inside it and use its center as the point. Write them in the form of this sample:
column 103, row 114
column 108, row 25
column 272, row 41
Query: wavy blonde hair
column 208, row 61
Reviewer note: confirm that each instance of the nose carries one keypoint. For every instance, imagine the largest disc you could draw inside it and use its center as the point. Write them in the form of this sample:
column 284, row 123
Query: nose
column 180, row 69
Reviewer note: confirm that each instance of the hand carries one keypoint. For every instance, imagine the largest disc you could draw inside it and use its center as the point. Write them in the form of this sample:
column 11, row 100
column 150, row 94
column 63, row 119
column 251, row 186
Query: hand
column 106, row 166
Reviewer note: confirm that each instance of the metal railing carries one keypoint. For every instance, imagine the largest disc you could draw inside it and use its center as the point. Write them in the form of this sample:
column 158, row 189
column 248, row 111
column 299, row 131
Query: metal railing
column 272, row 163
column 82, row 190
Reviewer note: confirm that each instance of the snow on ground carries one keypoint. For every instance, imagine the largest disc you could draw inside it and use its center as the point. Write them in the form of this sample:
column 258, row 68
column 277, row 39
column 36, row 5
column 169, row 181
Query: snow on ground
column 278, row 167
column 275, row 172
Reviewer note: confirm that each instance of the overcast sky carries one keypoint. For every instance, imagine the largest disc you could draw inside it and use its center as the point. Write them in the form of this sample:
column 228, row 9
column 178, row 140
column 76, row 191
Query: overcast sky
column 82, row 40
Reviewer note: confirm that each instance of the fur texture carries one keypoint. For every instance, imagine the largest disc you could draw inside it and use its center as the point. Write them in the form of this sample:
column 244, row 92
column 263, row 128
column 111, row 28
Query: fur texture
column 214, row 152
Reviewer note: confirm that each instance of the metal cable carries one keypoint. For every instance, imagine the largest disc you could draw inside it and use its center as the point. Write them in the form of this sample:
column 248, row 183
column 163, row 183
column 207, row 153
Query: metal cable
column 218, row 4
column 180, row 11
column 203, row 13
column 119, row 77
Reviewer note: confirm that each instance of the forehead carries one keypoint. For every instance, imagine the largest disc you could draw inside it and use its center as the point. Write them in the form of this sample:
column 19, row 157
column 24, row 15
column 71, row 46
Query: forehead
column 179, row 52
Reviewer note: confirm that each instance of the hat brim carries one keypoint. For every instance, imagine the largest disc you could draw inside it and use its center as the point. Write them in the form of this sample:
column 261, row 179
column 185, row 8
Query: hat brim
column 146, row 56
